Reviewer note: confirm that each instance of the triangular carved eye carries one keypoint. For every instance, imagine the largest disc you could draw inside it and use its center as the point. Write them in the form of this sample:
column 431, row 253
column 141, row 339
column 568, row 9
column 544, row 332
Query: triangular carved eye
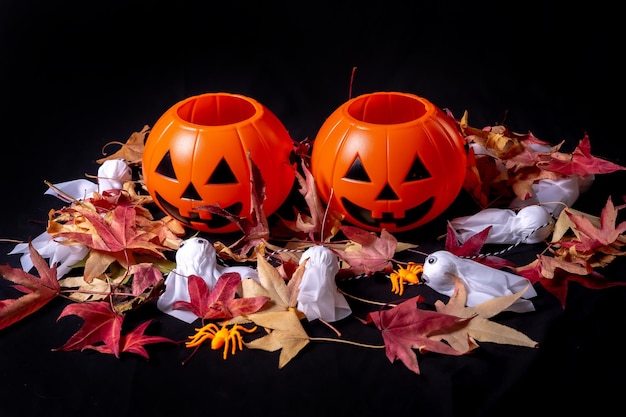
column 191, row 193
column 222, row 174
column 357, row 171
column 417, row 172
column 166, row 168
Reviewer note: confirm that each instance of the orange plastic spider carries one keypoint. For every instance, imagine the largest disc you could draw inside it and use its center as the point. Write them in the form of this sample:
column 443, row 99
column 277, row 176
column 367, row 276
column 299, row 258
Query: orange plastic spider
column 220, row 337
column 408, row 274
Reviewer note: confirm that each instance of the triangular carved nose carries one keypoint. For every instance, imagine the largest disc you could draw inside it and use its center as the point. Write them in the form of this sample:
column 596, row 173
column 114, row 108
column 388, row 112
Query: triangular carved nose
column 387, row 194
column 191, row 193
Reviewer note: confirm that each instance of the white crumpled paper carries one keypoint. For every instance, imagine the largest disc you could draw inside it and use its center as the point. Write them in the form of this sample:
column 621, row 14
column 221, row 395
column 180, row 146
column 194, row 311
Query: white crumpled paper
column 318, row 296
column 63, row 256
column 531, row 224
column 195, row 256
column 111, row 175
column 482, row 282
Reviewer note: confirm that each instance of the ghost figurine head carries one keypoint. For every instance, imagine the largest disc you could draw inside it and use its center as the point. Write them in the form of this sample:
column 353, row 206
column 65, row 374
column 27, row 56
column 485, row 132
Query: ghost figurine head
column 196, row 256
column 112, row 175
column 318, row 296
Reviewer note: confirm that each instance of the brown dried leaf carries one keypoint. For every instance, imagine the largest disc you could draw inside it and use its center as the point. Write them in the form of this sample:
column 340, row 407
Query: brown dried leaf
column 132, row 150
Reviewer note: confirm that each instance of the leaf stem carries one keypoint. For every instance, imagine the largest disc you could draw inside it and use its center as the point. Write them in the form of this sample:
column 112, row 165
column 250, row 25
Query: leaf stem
column 378, row 303
column 63, row 193
column 106, row 293
column 349, row 342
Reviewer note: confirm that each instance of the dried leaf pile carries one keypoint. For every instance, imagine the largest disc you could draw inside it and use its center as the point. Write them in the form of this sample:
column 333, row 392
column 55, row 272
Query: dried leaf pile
column 131, row 246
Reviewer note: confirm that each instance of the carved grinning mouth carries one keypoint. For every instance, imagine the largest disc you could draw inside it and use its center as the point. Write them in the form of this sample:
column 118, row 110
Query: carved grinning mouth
column 364, row 215
column 215, row 222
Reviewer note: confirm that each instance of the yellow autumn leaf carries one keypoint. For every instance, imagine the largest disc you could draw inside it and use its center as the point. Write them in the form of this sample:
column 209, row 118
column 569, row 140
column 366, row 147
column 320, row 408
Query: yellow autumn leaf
column 480, row 328
column 97, row 289
column 284, row 333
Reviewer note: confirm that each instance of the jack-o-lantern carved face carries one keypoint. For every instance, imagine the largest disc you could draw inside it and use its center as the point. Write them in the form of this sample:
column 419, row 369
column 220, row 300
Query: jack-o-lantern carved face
column 197, row 155
column 389, row 160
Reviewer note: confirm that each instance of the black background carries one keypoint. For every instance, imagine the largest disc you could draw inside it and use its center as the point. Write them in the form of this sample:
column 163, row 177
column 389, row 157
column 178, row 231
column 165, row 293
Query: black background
column 76, row 75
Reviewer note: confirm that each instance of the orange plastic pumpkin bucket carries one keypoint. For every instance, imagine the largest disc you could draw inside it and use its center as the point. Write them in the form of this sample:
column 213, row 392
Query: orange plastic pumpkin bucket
column 389, row 160
column 197, row 154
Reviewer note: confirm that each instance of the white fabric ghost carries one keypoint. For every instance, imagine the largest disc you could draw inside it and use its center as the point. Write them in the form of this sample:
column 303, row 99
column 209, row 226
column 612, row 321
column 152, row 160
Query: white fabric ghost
column 530, row 224
column 555, row 195
column 318, row 297
column 481, row 281
column 195, row 256
column 112, row 175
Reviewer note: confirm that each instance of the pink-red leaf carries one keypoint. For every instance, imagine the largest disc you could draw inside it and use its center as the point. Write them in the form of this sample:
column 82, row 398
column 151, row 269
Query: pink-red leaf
column 144, row 275
column 221, row 303
column 135, row 340
column 37, row 291
column 472, row 248
column 406, row 327
column 375, row 253
column 580, row 162
column 102, row 326
column 592, row 237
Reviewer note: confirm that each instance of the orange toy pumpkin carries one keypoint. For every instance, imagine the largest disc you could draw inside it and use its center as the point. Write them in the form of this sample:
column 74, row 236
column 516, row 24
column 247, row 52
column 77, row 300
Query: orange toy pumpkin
column 389, row 160
column 197, row 154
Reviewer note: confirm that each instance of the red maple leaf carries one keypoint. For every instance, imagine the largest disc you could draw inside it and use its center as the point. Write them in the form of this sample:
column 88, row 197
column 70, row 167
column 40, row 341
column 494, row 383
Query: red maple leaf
column 591, row 237
column 580, row 162
column 101, row 331
column 37, row 291
column 116, row 233
column 134, row 341
column 102, row 326
column 144, row 275
column 221, row 303
column 472, row 246
column 406, row 327
column 375, row 253
column 560, row 275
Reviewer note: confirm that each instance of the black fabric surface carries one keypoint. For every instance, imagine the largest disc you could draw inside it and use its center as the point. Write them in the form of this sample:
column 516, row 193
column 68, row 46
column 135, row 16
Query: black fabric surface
column 77, row 75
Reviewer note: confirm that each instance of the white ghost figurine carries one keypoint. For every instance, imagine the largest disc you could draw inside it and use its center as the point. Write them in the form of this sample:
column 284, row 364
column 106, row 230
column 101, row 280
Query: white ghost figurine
column 532, row 224
column 195, row 256
column 318, row 297
column 481, row 281
column 112, row 175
